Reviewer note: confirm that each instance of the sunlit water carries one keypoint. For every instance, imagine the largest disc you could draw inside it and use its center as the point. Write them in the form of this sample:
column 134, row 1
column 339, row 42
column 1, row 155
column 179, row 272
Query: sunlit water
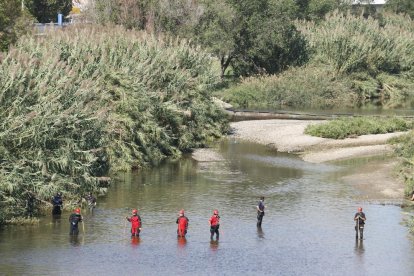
column 308, row 228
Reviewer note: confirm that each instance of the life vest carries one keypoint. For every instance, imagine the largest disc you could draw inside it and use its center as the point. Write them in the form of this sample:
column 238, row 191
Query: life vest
column 214, row 220
column 182, row 223
column 135, row 221
column 75, row 219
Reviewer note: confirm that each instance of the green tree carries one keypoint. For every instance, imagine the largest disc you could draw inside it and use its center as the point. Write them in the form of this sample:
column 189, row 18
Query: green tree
column 14, row 21
column 252, row 36
column 401, row 6
column 9, row 12
column 46, row 11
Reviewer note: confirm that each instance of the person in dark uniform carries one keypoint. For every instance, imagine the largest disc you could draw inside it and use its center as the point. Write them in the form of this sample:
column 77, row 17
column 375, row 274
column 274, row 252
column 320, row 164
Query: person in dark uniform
column 359, row 219
column 74, row 220
column 57, row 203
column 260, row 211
column 91, row 200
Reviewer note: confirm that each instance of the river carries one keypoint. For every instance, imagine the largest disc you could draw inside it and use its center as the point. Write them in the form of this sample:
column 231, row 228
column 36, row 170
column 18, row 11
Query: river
column 308, row 228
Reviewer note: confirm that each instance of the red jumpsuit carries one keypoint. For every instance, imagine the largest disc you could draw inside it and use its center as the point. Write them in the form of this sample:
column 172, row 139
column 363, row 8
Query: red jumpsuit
column 135, row 224
column 182, row 222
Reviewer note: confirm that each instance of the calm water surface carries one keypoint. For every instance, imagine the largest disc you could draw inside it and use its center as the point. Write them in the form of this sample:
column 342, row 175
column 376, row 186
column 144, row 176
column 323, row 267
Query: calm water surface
column 307, row 229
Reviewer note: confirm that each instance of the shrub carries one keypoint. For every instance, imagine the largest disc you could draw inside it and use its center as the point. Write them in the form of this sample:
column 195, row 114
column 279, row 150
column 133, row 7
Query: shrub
column 345, row 127
column 308, row 86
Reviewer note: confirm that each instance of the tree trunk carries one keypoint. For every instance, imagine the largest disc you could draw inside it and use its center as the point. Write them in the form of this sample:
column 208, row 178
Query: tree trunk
column 224, row 63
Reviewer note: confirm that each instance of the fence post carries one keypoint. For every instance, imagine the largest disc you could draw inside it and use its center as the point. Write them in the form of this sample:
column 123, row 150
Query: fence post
column 60, row 19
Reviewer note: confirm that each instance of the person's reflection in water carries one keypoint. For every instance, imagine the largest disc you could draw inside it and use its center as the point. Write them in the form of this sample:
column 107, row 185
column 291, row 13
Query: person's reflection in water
column 181, row 242
column 135, row 241
column 56, row 219
column 260, row 233
column 74, row 240
column 359, row 248
column 214, row 245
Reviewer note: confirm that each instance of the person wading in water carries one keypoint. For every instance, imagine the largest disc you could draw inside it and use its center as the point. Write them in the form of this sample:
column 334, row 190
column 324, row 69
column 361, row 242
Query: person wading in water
column 182, row 222
column 74, row 220
column 359, row 218
column 135, row 223
column 91, row 200
column 214, row 225
column 260, row 211
column 57, row 203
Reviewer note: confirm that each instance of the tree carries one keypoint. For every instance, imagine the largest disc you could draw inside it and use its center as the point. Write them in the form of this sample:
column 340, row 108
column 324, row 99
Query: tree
column 253, row 36
column 46, row 11
column 14, row 21
column 401, row 6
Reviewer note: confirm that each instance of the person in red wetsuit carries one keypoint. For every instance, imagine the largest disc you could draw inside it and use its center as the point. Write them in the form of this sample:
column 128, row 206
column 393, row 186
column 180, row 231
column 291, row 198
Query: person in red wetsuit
column 135, row 223
column 214, row 225
column 182, row 222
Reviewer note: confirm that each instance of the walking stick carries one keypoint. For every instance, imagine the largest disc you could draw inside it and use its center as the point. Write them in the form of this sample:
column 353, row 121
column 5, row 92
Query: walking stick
column 358, row 234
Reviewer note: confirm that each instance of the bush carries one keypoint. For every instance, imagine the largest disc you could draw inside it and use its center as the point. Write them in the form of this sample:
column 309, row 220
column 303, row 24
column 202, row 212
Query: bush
column 346, row 127
column 404, row 148
column 308, row 86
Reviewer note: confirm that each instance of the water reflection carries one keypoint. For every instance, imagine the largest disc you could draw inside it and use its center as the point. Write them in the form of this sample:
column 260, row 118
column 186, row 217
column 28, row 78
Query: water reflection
column 181, row 242
column 74, row 240
column 260, row 233
column 135, row 241
column 214, row 245
column 297, row 241
column 359, row 251
column 359, row 247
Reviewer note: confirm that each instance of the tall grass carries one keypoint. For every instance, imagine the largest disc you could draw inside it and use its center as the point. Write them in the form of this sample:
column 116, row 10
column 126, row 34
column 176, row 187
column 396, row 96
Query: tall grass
column 404, row 148
column 371, row 52
column 352, row 60
column 350, row 127
column 81, row 103
column 307, row 86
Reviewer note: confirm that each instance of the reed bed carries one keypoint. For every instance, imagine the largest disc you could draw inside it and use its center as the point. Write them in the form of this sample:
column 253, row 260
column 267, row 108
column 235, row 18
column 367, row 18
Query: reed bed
column 83, row 103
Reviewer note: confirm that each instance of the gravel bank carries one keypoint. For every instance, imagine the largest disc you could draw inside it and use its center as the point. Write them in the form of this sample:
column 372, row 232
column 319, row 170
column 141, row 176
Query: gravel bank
column 288, row 136
column 376, row 183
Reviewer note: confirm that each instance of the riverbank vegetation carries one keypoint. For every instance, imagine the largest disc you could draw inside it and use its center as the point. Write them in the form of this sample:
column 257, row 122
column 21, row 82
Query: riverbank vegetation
column 81, row 103
column 352, row 60
column 356, row 126
column 78, row 104
column 404, row 148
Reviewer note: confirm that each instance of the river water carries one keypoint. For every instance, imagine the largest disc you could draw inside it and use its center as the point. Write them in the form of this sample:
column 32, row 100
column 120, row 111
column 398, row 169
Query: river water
column 308, row 228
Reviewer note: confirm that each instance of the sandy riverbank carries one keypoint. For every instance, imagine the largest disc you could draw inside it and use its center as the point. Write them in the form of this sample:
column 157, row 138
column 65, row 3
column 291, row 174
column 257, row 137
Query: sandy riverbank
column 288, row 136
column 375, row 182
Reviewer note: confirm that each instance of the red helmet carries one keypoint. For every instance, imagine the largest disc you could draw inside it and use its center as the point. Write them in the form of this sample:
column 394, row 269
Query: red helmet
column 182, row 212
column 359, row 209
column 77, row 211
column 215, row 212
column 135, row 211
